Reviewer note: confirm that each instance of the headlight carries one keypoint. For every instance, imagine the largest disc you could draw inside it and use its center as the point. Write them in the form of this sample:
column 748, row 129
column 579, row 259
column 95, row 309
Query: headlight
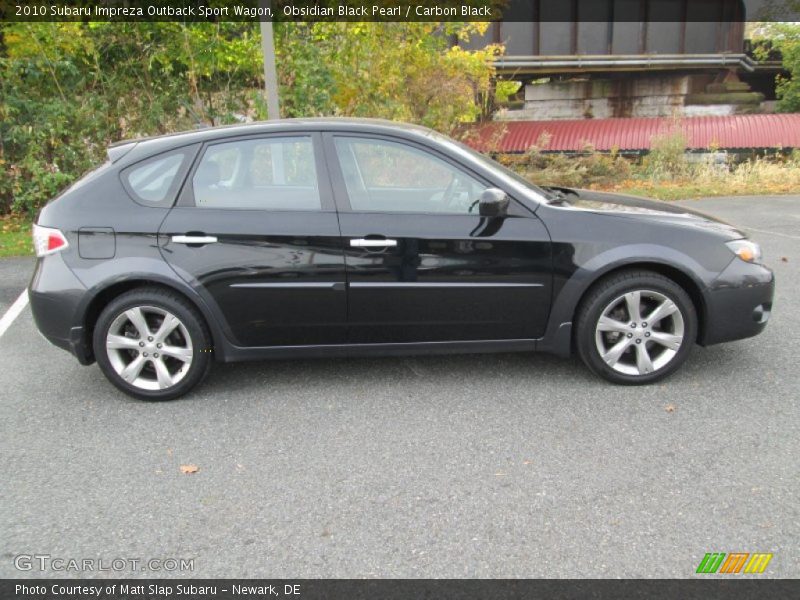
column 746, row 250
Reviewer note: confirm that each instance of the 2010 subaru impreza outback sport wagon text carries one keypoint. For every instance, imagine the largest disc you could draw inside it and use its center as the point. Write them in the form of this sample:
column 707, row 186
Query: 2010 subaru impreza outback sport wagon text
column 334, row 236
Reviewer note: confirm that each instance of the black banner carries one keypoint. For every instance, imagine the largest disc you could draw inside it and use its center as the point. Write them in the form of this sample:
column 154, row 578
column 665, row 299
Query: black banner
column 395, row 589
column 402, row 10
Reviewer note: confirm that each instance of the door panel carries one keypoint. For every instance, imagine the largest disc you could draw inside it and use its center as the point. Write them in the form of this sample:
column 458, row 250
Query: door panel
column 450, row 277
column 421, row 265
column 275, row 276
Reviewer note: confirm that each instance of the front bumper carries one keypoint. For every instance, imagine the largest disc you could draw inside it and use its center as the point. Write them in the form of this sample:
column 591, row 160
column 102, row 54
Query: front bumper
column 738, row 303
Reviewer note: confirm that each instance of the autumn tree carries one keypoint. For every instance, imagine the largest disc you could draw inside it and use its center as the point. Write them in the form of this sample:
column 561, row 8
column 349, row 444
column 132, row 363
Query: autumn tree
column 67, row 90
column 784, row 37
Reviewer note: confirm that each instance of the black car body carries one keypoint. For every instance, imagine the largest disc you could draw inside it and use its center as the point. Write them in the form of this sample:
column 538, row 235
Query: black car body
column 337, row 236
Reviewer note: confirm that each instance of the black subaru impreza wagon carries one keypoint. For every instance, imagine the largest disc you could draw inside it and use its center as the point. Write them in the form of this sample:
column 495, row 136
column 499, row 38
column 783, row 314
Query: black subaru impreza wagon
column 330, row 237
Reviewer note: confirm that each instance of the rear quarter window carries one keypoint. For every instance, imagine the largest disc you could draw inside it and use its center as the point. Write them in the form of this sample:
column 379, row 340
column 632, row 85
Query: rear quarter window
column 155, row 181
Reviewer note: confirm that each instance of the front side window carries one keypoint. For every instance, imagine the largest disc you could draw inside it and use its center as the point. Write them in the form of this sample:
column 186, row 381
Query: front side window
column 265, row 174
column 385, row 176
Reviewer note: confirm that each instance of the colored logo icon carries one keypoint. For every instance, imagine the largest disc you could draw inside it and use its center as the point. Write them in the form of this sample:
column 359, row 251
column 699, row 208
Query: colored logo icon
column 736, row 562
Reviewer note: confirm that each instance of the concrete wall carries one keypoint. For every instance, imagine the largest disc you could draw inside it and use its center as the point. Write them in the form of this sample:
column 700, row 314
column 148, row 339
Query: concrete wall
column 662, row 95
column 604, row 98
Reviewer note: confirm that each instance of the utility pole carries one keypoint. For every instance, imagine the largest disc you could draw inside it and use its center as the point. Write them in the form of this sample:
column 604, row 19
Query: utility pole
column 270, row 72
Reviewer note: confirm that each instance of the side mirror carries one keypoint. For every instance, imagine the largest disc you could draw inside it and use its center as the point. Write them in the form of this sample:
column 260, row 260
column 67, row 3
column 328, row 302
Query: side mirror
column 493, row 203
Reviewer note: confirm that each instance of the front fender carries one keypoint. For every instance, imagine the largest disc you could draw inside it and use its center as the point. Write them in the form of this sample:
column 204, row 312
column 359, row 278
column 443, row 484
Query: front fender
column 567, row 297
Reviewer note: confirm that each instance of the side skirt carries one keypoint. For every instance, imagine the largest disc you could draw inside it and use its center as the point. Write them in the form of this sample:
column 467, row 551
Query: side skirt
column 235, row 353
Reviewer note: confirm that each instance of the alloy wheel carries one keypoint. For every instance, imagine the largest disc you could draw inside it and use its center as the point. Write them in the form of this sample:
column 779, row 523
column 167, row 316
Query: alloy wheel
column 149, row 347
column 639, row 332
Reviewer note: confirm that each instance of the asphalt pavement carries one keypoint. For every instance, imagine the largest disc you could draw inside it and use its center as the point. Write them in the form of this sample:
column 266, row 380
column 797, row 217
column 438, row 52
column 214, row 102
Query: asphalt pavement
column 15, row 273
column 509, row 465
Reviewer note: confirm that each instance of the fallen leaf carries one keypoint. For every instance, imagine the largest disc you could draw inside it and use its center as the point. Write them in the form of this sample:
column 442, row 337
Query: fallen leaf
column 669, row 408
column 188, row 469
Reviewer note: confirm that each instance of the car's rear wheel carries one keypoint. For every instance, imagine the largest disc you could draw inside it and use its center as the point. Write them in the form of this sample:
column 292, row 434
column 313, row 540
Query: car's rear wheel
column 636, row 327
column 152, row 344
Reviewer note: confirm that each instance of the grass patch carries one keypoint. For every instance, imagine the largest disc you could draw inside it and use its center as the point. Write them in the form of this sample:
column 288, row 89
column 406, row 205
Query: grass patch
column 15, row 236
column 666, row 173
column 753, row 178
column 690, row 189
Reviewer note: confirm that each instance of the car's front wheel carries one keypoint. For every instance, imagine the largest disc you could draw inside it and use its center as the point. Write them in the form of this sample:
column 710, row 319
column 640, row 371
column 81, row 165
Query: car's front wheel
column 636, row 327
column 152, row 344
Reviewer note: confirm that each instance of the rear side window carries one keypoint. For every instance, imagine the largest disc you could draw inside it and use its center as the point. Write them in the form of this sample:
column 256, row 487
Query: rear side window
column 276, row 173
column 155, row 181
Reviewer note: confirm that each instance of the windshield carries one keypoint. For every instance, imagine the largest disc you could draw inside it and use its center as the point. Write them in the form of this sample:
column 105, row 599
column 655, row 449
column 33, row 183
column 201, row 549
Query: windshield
column 510, row 177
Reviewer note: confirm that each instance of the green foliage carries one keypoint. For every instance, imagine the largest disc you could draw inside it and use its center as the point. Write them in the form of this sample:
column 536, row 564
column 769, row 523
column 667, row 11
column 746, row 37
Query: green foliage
column 67, row 90
column 15, row 236
column 666, row 173
column 667, row 156
column 785, row 37
column 70, row 89
column 399, row 71
column 306, row 83
column 505, row 89
column 590, row 168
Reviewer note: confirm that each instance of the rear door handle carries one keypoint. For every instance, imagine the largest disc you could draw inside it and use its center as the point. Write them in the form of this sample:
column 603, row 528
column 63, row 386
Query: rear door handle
column 364, row 243
column 194, row 239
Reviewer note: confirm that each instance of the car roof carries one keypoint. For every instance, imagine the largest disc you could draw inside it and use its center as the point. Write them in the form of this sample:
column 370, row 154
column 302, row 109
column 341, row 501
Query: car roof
column 156, row 144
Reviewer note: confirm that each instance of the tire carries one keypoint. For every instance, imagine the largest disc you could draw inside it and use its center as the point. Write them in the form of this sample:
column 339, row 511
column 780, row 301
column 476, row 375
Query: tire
column 163, row 365
column 635, row 351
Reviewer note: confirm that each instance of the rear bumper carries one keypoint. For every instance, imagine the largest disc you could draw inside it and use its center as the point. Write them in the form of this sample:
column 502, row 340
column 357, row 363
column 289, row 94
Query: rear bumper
column 55, row 294
column 738, row 303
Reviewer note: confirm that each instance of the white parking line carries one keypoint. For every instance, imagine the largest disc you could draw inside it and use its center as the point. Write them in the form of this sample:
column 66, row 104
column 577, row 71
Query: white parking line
column 12, row 313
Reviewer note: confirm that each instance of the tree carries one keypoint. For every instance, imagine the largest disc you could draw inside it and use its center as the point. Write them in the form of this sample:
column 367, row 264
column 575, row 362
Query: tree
column 788, row 88
column 784, row 37
column 400, row 71
column 67, row 90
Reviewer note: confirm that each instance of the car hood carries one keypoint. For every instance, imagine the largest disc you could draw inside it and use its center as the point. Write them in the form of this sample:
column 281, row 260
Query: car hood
column 636, row 207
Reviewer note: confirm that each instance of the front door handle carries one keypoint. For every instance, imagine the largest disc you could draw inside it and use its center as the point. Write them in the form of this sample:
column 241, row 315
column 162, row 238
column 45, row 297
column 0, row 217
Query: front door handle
column 365, row 243
column 194, row 239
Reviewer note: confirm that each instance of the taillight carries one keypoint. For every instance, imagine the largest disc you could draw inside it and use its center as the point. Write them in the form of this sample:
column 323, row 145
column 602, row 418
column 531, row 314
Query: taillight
column 47, row 240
